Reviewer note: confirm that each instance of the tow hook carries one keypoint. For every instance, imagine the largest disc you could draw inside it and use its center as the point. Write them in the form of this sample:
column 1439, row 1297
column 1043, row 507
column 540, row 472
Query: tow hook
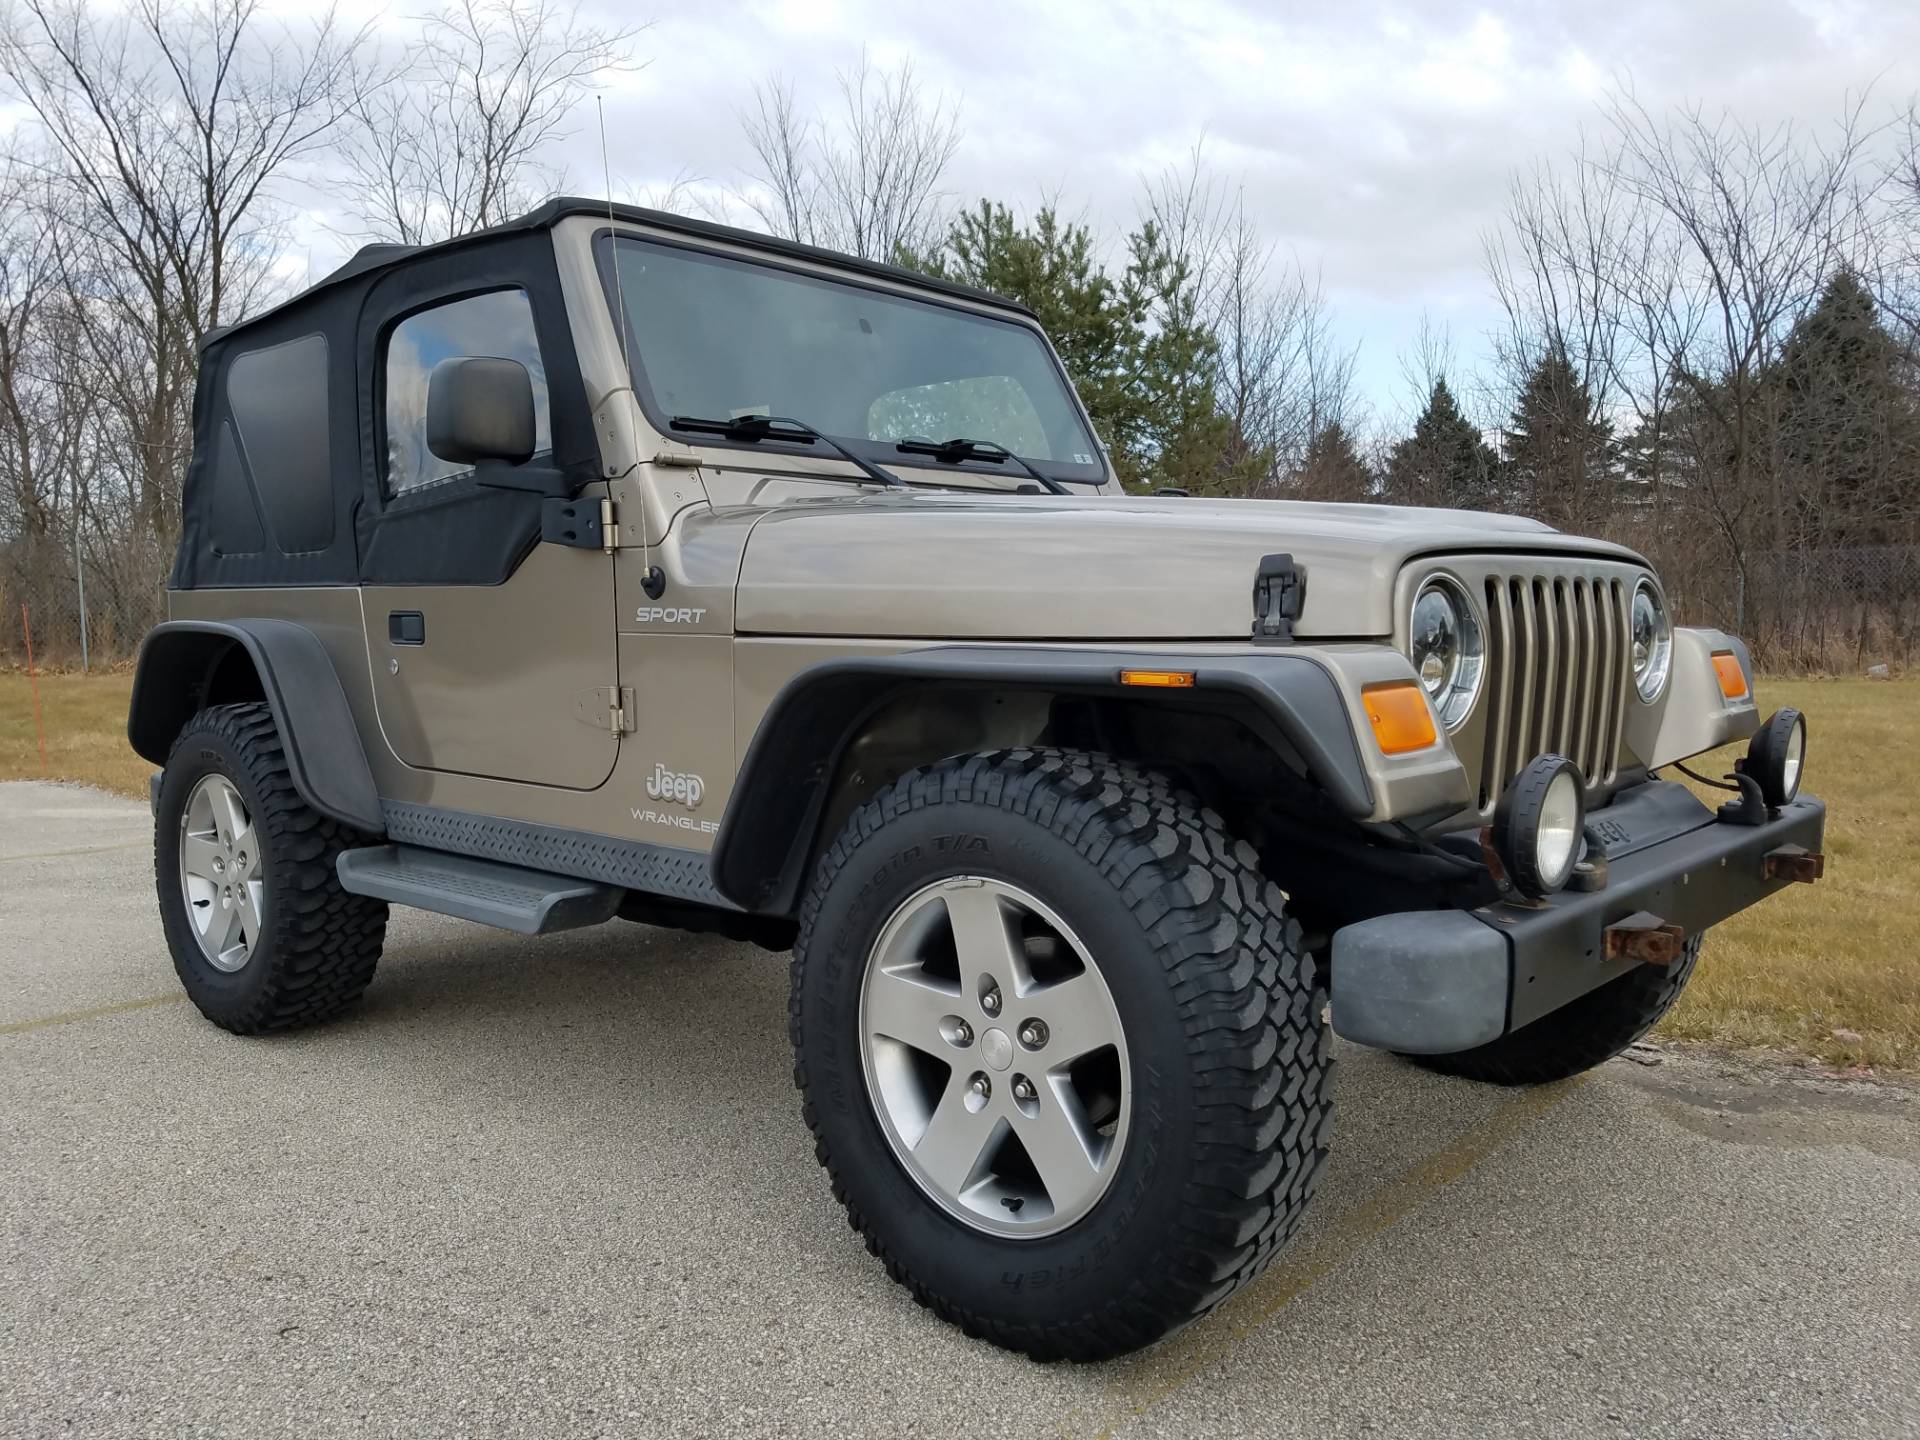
column 1646, row 938
column 1790, row 862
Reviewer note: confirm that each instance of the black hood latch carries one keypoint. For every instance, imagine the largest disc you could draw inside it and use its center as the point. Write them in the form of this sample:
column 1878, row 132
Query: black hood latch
column 1279, row 595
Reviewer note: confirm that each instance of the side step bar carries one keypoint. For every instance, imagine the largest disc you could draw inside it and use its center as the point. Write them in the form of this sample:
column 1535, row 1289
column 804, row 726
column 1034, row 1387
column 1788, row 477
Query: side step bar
column 528, row 902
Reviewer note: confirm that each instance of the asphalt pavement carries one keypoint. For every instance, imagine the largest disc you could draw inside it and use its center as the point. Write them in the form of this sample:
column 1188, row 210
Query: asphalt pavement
column 561, row 1187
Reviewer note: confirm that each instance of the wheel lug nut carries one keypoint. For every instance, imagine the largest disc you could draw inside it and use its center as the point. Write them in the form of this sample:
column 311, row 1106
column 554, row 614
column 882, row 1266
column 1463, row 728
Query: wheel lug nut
column 1033, row 1034
column 990, row 1002
column 963, row 1034
column 1023, row 1088
column 982, row 1086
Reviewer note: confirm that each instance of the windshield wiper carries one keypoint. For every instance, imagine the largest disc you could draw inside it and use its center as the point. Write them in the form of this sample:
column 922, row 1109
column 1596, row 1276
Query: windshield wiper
column 959, row 448
column 779, row 427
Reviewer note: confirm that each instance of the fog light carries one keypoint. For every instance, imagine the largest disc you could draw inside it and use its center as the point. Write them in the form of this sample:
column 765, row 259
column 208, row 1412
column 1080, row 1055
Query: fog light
column 1536, row 828
column 1777, row 754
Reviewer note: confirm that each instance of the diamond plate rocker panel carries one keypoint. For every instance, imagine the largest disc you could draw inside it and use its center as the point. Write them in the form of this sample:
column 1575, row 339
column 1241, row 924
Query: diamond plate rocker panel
column 632, row 864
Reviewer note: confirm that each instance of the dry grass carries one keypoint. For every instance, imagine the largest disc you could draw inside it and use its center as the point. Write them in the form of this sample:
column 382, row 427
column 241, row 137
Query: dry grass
column 1828, row 971
column 86, row 723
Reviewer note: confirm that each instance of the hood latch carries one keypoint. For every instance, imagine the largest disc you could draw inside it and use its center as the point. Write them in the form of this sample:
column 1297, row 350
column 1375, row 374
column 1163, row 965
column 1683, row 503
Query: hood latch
column 1279, row 595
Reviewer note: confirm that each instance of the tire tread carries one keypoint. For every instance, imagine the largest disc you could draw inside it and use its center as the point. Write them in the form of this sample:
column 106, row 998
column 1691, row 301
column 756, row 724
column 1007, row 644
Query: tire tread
column 1245, row 991
column 324, row 942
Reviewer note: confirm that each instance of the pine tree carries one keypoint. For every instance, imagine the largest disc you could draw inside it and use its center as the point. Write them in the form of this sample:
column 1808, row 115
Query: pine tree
column 1049, row 267
column 1848, row 436
column 1559, row 449
column 1191, row 442
column 1332, row 468
column 1144, row 361
column 1444, row 462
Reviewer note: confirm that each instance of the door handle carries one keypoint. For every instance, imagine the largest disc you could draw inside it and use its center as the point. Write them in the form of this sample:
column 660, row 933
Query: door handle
column 406, row 627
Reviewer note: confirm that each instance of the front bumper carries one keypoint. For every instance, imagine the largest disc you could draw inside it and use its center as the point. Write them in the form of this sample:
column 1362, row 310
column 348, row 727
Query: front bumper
column 1435, row 981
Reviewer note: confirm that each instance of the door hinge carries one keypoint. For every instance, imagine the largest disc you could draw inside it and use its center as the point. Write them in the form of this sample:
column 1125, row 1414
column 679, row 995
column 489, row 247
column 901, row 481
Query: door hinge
column 609, row 526
column 606, row 707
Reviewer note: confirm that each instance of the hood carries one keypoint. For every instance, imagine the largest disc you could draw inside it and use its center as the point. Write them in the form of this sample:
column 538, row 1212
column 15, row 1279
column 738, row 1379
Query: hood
column 941, row 565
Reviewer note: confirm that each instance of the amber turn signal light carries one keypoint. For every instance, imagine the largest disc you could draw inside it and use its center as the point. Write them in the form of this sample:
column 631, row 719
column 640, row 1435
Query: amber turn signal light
column 1733, row 680
column 1401, row 718
column 1158, row 679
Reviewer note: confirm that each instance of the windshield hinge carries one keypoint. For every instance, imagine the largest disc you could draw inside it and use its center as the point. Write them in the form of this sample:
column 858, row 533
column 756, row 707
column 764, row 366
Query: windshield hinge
column 1279, row 595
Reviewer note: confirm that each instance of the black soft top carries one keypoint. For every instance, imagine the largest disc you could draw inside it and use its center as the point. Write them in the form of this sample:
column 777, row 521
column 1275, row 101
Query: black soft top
column 370, row 260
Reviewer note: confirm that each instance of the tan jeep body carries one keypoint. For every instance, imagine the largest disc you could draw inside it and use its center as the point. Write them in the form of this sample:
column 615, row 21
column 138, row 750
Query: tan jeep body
column 559, row 714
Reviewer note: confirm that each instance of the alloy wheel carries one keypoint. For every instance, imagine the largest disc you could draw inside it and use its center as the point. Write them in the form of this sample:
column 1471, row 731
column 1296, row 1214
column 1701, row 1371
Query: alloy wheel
column 995, row 1057
column 220, row 873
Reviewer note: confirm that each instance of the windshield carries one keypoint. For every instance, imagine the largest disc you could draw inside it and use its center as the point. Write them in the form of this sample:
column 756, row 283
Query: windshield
column 718, row 337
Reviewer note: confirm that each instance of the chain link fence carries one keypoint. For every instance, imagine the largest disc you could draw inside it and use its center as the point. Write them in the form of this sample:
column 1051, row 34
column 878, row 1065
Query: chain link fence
column 1834, row 610
column 1828, row 610
column 84, row 607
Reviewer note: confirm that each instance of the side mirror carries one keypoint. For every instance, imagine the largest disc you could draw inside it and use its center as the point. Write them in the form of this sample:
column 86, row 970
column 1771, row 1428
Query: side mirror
column 480, row 408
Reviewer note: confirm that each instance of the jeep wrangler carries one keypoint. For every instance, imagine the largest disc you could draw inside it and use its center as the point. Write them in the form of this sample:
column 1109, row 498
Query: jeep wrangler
column 613, row 564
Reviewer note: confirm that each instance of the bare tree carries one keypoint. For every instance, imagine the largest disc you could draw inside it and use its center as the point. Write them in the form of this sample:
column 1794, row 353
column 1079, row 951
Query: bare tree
column 1900, row 243
column 1743, row 224
column 1283, row 376
column 154, row 139
column 172, row 123
column 1432, row 358
column 867, row 182
column 1673, row 273
column 460, row 141
column 28, row 285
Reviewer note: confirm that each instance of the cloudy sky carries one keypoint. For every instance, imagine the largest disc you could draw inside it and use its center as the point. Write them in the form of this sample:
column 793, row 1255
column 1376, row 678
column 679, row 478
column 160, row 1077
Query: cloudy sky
column 1374, row 141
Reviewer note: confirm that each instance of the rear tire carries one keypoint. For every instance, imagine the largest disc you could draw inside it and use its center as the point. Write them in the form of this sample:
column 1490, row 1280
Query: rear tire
column 1576, row 1037
column 263, row 936
column 1210, row 1124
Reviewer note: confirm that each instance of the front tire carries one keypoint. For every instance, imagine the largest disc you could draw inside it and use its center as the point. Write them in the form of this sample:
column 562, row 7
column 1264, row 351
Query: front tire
column 263, row 936
column 1579, row 1035
column 1151, row 1146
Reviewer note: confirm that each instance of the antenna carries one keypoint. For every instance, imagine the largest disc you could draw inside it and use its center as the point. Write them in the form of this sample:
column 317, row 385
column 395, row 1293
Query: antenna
column 652, row 579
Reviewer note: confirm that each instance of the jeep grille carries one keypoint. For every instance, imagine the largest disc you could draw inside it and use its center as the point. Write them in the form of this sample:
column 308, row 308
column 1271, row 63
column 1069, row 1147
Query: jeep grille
column 1557, row 673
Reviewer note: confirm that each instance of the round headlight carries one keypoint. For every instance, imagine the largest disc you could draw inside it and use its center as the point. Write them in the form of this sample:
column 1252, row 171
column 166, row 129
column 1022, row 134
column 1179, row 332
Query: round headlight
column 1538, row 824
column 1652, row 641
column 1777, row 754
column 1447, row 649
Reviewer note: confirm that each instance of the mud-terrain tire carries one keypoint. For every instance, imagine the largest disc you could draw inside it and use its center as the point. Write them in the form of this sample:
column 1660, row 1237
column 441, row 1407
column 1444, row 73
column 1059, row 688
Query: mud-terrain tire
column 314, row 946
column 1578, row 1036
column 1213, row 1157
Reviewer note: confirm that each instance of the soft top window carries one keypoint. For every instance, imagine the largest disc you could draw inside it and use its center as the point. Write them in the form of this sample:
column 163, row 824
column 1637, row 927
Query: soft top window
column 497, row 323
column 278, row 399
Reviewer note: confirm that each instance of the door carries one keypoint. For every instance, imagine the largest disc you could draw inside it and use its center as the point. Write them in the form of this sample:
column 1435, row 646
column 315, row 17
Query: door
column 492, row 653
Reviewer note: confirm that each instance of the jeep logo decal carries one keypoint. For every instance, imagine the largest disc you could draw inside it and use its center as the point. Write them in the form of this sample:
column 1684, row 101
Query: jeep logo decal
column 665, row 784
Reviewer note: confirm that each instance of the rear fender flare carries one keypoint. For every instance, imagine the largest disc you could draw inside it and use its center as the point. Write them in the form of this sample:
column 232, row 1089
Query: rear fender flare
column 769, row 832
column 325, row 759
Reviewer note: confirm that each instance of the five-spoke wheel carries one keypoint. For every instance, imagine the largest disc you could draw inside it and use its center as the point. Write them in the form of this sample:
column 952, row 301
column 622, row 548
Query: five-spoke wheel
column 995, row 1057
column 220, row 873
column 263, row 935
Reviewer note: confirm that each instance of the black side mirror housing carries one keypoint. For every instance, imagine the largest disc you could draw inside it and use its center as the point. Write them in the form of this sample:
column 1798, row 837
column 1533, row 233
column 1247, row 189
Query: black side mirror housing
column 480, row 409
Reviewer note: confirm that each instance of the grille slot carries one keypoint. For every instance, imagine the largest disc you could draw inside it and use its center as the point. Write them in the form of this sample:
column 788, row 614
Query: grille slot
column 1557, row 674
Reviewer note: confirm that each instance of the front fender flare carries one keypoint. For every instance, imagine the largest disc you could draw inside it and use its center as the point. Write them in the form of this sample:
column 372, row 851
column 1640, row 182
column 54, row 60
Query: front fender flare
column 325, row 758
column 768, row 833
